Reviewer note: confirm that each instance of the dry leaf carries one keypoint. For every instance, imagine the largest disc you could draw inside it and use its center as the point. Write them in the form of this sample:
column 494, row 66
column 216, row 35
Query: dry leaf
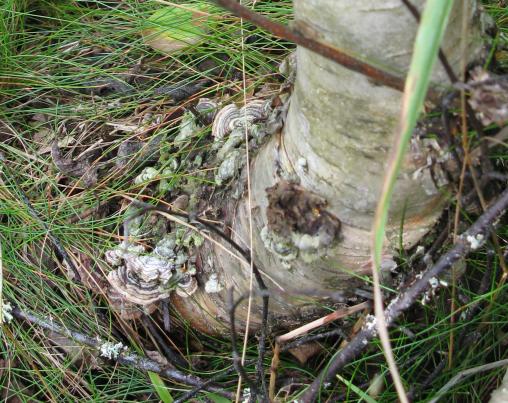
column 489, row 96
column 76, row 168
column 305, row 351
column 174, row 28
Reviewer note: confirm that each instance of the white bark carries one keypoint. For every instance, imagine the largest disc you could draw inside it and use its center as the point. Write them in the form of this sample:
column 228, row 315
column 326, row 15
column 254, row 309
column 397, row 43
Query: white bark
column 342, row 125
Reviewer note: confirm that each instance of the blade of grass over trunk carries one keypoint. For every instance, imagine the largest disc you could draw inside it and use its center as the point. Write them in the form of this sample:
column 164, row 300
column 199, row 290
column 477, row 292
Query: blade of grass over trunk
column 428, row 39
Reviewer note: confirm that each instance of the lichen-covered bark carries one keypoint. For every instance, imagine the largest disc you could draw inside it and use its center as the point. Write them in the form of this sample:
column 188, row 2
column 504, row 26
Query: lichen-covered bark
column 335, row 143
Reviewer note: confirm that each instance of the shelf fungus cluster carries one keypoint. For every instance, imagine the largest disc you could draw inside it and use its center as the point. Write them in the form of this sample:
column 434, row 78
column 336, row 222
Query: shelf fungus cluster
column 143, row 277
column 229, row 130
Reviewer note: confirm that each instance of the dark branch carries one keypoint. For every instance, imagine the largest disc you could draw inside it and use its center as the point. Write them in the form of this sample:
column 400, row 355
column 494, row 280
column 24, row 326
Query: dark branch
column 300, row 38
column 54, row 240
column 480, row 228
column 124, row 358
column 416, row 390
column 237, row 362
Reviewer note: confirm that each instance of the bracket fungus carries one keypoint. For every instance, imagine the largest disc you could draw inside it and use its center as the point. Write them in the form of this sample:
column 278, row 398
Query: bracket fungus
column 230, row 117
column 207, row 108
column 144, row 277
column 191, row 124
column 230, row 127
column 141, row 279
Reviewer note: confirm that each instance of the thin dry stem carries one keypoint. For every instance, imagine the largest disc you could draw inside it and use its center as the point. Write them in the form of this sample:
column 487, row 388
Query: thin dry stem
column 273, row 371
column 338, row 314
column 465, row 148
column 249, row 203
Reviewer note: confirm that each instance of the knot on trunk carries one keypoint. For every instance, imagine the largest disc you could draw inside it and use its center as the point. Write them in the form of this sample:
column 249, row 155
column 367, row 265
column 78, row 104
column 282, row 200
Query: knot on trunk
column 299, row 217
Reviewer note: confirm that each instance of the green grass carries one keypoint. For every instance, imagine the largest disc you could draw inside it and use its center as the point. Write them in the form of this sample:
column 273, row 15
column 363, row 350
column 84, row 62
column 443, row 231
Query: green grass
column 50, row 51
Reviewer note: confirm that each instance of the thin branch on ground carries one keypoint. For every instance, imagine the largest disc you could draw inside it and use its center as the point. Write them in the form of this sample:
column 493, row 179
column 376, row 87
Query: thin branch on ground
column 416, row 390
column 313, row 337
column 123, row 358
column 472, row 237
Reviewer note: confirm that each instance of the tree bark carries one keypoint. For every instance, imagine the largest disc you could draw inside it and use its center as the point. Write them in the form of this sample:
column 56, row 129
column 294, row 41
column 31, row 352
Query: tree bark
column 334, row 146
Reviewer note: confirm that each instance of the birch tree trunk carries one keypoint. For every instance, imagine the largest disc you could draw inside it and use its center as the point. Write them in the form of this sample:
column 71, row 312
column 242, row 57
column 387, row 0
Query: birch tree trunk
column 335, row 145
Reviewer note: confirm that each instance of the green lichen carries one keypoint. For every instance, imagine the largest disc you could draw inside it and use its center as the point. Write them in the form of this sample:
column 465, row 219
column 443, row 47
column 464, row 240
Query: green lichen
column 280, row 246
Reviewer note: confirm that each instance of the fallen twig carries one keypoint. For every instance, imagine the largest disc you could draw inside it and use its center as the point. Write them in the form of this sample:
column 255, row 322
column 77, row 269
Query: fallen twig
column 339, row 313
column 416, row 390
column 468, row 241
column 314, row 337
column 124, row 358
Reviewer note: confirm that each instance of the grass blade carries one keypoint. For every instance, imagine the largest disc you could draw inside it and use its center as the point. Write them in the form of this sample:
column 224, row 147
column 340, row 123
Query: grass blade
column 160, row 387
column 428, row 39
column 363, row 395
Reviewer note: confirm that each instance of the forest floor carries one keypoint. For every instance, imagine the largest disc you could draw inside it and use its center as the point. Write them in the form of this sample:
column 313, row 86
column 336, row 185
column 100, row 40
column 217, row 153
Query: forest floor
column 93, row 114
